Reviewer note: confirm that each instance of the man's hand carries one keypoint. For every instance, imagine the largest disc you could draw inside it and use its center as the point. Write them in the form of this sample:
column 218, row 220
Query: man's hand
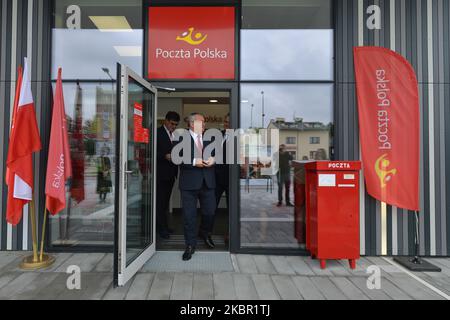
column 168, row 157
column 199, row 163
column 209, row 163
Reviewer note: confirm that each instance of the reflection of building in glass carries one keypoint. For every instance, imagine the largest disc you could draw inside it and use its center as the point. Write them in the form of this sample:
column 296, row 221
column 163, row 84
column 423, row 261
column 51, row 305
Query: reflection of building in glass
column 104, row 118
column 304, row 140
column 258, row 152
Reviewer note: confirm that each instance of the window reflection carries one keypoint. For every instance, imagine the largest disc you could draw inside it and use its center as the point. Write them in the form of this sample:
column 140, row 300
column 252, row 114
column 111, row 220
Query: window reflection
column 89, row 38
column 287, row 40
column 287, row 54
column 272, row 214
column 89, row 216
column 287, row 14
column 91, row 35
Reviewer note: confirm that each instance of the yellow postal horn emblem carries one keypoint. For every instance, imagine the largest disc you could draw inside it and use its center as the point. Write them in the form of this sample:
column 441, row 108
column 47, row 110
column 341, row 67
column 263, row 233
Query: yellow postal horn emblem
column 187, row 37
column 381, row 168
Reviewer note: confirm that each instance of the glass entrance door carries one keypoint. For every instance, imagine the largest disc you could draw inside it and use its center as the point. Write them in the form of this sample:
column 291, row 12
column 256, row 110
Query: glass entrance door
column 134, row 241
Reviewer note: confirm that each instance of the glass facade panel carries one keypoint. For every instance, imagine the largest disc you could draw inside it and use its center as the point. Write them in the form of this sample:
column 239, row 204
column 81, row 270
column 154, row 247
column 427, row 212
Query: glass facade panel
column 289, row 111
column 139, row 186
column 89, row 217
column 287, row 14
column 91, row 36
column 287, row 40
column 287, row 54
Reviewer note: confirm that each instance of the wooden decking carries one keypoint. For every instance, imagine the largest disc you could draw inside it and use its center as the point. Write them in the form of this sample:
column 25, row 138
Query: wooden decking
column 255, row 277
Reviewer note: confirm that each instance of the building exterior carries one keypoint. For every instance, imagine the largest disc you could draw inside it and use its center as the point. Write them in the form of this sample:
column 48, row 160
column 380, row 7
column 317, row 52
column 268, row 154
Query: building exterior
column 304, row 140
column 272, row 62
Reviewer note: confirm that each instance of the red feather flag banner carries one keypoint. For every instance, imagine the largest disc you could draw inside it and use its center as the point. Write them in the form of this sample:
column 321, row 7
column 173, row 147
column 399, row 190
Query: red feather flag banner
column 24, row 140
column 388, row 108
column 59, row 164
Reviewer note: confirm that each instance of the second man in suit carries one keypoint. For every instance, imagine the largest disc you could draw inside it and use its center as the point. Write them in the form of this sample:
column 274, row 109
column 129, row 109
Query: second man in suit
column 167, row 172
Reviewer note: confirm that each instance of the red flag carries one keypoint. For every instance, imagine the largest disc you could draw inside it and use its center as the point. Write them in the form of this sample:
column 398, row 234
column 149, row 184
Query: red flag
column 24, row 140
column 78, row 152
column 388, row 104
column 58, row 167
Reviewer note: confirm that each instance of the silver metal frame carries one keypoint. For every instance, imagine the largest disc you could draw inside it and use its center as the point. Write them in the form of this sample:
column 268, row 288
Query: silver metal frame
column 125, row 272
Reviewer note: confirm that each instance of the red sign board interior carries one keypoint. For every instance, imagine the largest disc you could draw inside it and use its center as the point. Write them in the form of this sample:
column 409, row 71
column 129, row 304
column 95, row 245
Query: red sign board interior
column 191, row 43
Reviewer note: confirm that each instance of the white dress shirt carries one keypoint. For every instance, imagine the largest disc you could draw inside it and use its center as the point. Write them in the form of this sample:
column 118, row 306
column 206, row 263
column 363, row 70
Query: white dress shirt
column 170, row 134
column 195, row 137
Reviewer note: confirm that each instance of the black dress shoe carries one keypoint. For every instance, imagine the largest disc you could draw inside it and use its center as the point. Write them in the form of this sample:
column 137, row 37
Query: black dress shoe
column 209, row 242
column 187, row 255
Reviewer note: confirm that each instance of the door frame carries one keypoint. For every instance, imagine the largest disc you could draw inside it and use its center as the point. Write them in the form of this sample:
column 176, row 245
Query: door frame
column 121, row 272
column 233, row 89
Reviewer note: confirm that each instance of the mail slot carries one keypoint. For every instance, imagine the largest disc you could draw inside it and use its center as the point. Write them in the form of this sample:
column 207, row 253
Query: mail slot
column 332, row 210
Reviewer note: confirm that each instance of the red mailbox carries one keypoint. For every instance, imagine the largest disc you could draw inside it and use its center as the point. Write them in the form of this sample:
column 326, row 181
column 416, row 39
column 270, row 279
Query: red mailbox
column 332, row 210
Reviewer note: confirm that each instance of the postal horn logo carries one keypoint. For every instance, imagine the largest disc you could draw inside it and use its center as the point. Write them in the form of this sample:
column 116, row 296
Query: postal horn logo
column 191, row 38
column 382, row 169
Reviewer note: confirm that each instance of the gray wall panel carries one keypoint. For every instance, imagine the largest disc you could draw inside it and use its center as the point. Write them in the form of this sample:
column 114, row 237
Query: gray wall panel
column 27, row 28
column 411, row 40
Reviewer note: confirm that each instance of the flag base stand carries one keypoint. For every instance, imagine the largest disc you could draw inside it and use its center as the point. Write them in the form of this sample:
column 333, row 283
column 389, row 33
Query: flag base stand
column 37, row 261
column 416, row 264
column 30, row 263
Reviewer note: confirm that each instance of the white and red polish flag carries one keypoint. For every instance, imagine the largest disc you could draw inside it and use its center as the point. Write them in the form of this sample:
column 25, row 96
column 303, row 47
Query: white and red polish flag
column 59, row 167
column 24, row 140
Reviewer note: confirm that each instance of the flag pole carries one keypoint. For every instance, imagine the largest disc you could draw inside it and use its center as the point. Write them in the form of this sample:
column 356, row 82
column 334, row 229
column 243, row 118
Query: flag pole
column 34, row 262
column 416, row 259
column 33, row 231
column 41, row 256
column 416, row 264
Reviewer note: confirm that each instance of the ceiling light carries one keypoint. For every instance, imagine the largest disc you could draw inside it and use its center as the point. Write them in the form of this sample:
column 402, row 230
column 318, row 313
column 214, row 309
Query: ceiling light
column 128, row 51
column 213, row 101
column 111, row 23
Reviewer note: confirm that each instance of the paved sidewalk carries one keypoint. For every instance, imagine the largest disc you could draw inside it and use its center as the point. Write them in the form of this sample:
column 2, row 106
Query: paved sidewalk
column 254, row 277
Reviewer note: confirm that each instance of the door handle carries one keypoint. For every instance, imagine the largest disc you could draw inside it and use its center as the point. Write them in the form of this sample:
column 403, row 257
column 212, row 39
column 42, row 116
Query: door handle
column 127, row 172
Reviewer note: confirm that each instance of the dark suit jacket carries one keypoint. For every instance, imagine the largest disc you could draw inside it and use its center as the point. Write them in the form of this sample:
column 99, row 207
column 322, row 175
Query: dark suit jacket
column 192, row 178
column 222, row 176
column 166, row 170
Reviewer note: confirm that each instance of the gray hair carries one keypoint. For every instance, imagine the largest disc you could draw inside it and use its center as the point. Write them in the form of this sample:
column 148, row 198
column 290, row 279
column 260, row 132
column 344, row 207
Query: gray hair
column 191, row 117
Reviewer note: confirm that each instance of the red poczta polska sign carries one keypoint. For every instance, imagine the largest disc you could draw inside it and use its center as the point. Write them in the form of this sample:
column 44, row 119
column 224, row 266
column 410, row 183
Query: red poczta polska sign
column 191, row 43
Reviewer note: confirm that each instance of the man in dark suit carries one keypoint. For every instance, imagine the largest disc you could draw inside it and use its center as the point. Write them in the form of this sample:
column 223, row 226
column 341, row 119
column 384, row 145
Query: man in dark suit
column 166, row 172
column 197, row 182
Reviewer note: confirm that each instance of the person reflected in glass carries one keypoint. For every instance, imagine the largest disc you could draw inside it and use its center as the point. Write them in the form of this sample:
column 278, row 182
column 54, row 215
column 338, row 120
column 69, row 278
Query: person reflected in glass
column 284, row 176
column 104, row 181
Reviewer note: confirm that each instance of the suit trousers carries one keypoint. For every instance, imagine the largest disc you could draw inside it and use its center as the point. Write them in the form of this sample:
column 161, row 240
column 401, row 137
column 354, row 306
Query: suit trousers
column 189, row 199
column 284, row 180
column 207, row 224
column 163, row 193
